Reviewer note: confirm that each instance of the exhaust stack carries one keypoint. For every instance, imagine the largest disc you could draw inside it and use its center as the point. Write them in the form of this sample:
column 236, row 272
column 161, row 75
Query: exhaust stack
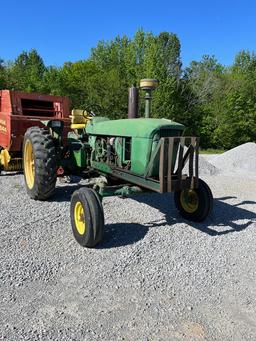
column 133, row 101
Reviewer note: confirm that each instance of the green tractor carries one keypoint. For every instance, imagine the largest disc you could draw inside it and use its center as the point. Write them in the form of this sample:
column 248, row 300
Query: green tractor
column 121, row 157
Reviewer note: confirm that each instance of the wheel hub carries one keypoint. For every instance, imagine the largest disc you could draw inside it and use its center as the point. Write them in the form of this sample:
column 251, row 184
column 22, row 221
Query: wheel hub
column 79, row 218
column 189, row 200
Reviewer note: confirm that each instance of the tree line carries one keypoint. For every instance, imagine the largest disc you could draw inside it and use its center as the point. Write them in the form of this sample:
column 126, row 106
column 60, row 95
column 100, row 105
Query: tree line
column 215, row 102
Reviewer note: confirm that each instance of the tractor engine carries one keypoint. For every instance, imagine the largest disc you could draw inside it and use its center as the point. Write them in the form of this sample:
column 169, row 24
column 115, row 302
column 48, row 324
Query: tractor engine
column 115, row 151
column 128, row 144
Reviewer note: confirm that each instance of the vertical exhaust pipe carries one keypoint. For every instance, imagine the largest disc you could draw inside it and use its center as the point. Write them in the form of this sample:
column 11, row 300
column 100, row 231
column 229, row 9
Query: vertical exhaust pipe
column 133, row 102
column 148, row 85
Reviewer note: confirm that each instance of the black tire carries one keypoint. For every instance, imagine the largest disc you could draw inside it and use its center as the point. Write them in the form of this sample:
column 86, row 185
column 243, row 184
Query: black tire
column 93, row 217
column 45, row 164
column 203, row 206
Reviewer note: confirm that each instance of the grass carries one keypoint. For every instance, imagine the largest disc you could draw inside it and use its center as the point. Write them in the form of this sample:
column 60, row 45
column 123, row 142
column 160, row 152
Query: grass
column 211, row 151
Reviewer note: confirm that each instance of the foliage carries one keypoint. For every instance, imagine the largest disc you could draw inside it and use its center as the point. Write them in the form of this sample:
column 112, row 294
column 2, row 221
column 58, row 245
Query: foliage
column 27, row 71
column 216, row 102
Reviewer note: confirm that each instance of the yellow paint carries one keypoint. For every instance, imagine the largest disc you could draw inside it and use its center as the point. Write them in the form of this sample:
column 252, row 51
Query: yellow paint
column 29, row 164
column 79, row 119
column 148, row 83
column 79, row 218
column 189, row 200
column 3, row 122
column 10, row 164
column 5, row 158
column 78, row 126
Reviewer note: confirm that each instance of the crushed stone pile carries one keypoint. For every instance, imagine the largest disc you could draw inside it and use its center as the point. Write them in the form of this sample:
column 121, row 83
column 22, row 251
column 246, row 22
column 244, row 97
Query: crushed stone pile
column 238, row 159
column 205, row 167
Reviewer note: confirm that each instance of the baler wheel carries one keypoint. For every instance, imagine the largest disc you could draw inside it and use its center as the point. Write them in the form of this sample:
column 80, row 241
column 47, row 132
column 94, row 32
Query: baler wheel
column 39, row 163
column 196, row 204
column 87, row 217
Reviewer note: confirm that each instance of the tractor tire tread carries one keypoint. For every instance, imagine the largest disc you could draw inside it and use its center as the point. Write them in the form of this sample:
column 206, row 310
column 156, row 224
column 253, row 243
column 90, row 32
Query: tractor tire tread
column 205, row 203
column 45, row 163
column 94, row 217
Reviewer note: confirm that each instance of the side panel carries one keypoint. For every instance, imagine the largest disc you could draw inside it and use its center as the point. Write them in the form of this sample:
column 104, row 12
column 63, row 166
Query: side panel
column 6, row 105
column 28, row 104
column 5, row 110
column 65, row 107
column 19, row 125
column 5, row 130
column 140, row 154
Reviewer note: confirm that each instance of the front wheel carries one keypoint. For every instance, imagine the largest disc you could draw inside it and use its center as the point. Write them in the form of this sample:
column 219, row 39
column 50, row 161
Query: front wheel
column 194, row 204
column 87, row 217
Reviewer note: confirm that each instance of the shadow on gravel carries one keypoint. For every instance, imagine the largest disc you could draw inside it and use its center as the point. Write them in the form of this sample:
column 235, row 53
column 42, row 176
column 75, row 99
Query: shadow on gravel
column 119, row 234
column 225, row 218
column 64, row 193
column 116, row 235
column 64, row 190
column 229, row 217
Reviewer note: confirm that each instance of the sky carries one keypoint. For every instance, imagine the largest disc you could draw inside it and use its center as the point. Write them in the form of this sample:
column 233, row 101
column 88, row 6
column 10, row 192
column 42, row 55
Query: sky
column 67, row 30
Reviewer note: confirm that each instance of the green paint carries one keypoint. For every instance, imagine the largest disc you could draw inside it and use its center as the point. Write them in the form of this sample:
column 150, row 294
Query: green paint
column 143, row 134
column 101, row 166
column 80, row 157
column 141, row 151
column 138, row 127
column 137, row 180
column 133, row 147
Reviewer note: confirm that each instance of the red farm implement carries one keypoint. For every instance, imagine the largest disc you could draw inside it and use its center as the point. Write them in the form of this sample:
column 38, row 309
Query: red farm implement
column 20, row 111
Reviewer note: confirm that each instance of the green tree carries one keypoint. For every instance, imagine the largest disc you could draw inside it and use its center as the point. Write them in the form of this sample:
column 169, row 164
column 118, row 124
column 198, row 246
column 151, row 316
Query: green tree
column 237, row 122
column 245, row 63
column 52, row 82
column 213, row 101
column 205, row 94
column 27, row 72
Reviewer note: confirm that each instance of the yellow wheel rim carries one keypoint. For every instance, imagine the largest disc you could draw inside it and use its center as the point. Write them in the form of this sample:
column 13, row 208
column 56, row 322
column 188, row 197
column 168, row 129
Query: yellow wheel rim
column 29, row 164
column 79, row 218
column 189, row 200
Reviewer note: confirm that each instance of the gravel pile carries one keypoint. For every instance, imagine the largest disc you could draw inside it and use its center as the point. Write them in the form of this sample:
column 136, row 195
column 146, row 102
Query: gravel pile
column 154, row 277
column 206, row 168
column 239, row 159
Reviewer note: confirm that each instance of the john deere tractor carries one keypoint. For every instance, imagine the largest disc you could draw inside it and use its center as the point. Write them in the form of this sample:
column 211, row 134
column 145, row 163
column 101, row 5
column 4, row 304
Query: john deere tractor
column 121, row 157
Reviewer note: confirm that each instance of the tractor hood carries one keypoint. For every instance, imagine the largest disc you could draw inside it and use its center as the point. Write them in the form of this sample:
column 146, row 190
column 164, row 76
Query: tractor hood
column 138, row 127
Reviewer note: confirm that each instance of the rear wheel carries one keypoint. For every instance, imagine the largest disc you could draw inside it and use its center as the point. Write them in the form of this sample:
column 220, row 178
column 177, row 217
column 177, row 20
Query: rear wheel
column 87, row 217
column 39, row 163
column 194, row 204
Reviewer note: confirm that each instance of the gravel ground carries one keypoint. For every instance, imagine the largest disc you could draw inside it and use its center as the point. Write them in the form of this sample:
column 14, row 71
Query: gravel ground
column 155, row 276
